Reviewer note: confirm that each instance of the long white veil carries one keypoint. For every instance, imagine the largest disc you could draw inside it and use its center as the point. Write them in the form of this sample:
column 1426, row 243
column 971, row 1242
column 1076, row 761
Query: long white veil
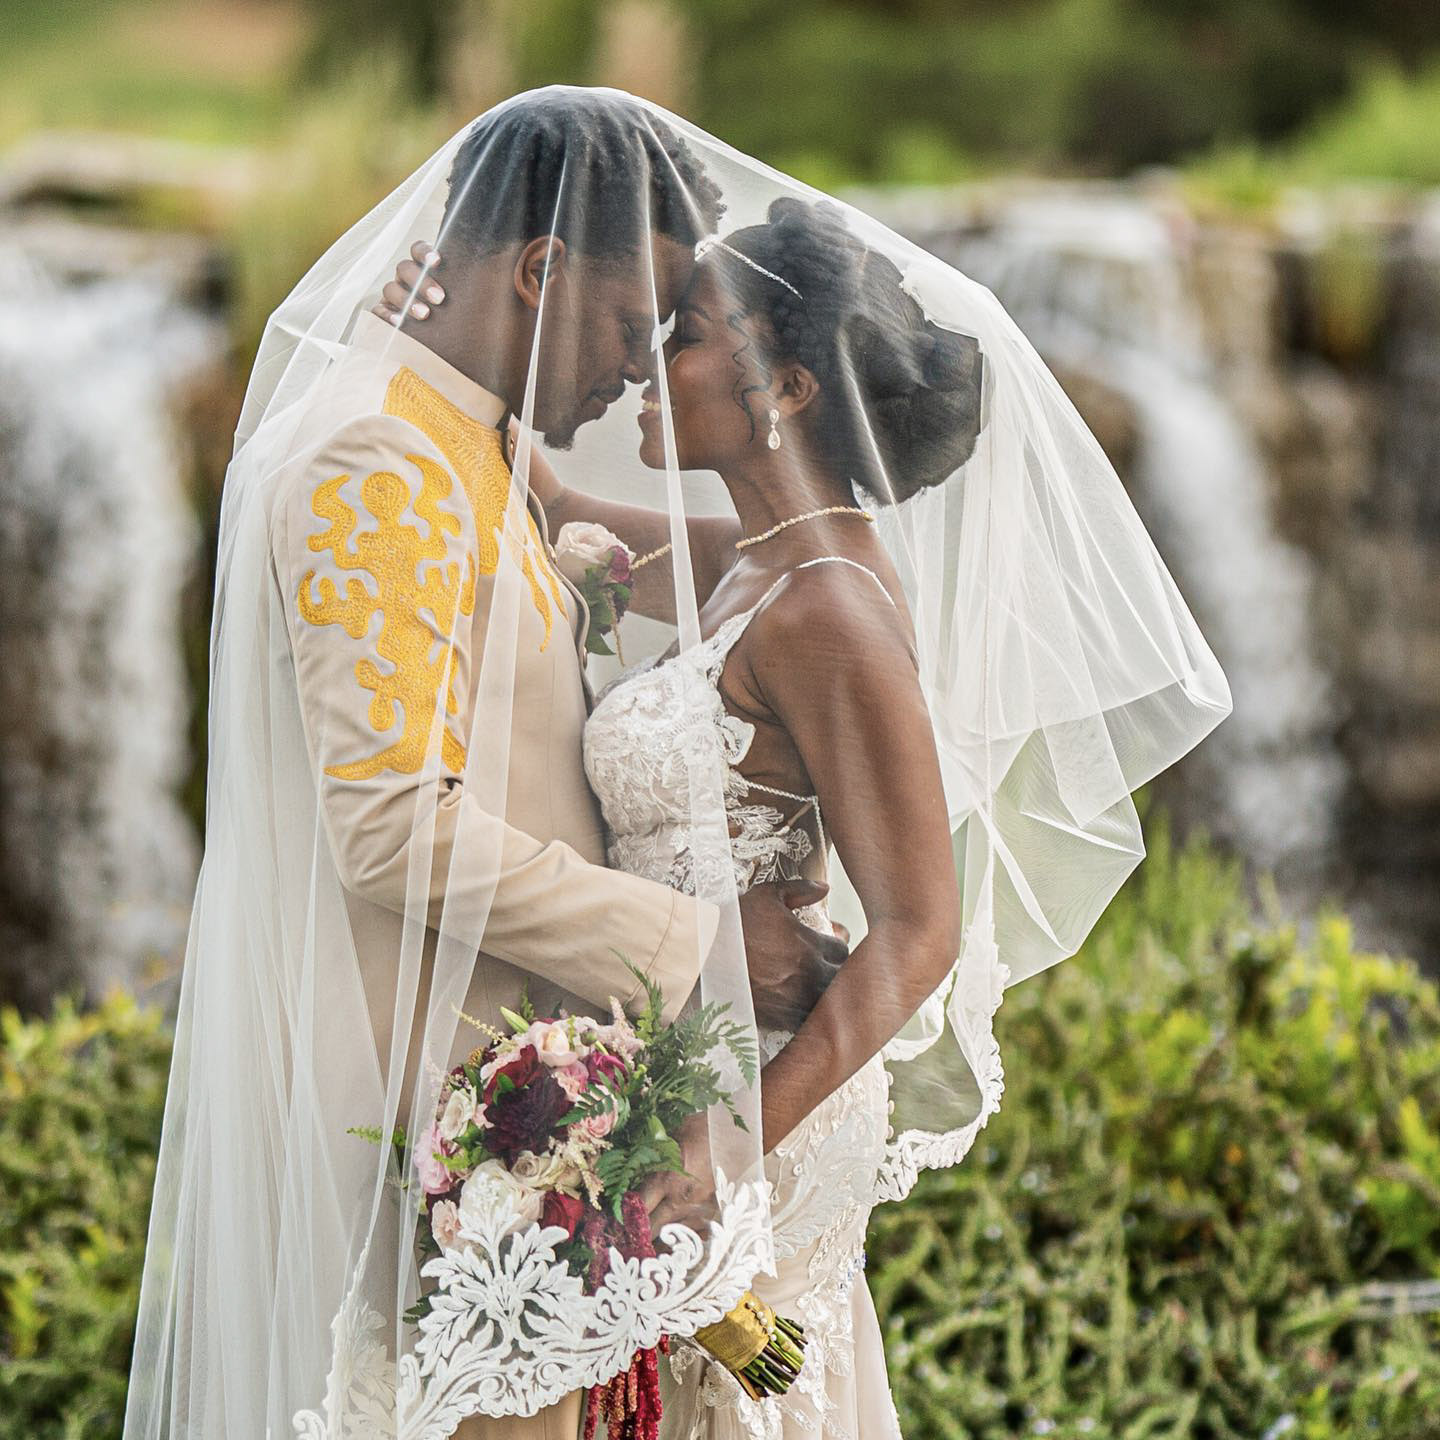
column 398, row 831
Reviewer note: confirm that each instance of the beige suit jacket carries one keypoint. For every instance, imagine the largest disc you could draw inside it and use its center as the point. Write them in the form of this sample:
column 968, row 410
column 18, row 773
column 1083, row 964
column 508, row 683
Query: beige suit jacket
column 398, row 434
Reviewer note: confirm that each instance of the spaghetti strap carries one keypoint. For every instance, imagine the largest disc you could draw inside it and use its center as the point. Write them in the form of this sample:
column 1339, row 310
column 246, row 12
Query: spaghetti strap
column 720, row 643
column 845, row 560
column 820, row 560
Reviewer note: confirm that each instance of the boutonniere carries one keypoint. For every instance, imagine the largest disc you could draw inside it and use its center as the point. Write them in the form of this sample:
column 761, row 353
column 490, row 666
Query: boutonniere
column 599, row 566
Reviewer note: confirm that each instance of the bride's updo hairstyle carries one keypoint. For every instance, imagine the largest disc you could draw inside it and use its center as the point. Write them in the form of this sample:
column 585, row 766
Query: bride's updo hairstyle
column 899, row 407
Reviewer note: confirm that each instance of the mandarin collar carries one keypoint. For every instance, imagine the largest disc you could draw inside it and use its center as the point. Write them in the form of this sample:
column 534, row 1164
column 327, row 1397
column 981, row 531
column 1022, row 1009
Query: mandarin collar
column 378, row 337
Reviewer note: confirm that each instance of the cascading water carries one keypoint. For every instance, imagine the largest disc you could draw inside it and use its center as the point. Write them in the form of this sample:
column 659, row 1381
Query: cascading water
column 97, row 535
column 1098, row 283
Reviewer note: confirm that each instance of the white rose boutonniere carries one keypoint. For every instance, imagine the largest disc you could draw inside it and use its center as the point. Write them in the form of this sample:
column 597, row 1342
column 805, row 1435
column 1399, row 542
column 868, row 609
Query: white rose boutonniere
column 598, row 564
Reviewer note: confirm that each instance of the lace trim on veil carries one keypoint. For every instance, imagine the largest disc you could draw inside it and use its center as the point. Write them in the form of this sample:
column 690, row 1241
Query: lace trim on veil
column 508, row 1288
column 973, row 1018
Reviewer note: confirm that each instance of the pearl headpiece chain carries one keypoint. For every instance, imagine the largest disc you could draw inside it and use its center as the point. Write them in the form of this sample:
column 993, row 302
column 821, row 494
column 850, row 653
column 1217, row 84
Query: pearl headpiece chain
column 712, row 243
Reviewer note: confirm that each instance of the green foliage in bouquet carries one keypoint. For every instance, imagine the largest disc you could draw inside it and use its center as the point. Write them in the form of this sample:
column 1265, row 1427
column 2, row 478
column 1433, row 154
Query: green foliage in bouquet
column 1210, row 1197
column 81, row 1100
column 675, row 1080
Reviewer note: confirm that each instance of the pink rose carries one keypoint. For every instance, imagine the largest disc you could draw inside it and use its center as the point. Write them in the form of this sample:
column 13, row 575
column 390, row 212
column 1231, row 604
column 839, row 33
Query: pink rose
column 434, row 1176
column 573, row 1079
column 597, row 1127
column 445, row 1224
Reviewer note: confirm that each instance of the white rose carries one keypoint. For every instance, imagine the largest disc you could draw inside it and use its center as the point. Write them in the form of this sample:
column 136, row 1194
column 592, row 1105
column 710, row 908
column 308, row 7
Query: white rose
column 552, row 1042
column 492, row 1191
column 547, row 1172
column 581, row 544
column 458, row 1112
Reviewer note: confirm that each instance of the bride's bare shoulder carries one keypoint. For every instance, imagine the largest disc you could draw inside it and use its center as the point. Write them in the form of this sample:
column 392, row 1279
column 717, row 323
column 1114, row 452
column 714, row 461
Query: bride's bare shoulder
column 828, row 611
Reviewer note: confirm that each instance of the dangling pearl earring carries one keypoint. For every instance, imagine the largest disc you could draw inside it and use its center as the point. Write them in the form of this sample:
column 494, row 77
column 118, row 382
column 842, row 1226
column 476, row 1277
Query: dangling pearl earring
column 773, row 441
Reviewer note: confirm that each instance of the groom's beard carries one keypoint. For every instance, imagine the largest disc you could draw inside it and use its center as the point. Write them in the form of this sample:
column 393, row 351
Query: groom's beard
column 561, row 435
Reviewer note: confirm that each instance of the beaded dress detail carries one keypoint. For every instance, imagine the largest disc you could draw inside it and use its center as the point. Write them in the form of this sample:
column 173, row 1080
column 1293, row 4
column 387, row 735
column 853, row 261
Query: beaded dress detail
column 640, row 745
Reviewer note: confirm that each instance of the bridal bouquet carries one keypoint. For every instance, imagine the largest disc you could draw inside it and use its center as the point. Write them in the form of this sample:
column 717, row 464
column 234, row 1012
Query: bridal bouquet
column 562, row 1120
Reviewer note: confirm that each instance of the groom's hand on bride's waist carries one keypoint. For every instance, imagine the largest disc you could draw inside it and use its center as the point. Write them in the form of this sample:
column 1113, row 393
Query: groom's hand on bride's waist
column 790, row 962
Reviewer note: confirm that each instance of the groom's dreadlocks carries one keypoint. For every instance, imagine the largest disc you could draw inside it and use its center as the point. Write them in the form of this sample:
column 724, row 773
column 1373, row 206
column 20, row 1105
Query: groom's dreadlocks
column 596, row 169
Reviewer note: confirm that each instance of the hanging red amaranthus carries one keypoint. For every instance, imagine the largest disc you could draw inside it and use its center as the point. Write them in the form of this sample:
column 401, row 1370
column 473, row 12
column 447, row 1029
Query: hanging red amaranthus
column 630, row 1401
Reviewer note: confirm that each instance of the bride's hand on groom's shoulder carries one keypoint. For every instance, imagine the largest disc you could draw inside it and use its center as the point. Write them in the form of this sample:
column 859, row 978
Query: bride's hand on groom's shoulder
column 401, row 292
column 790, row 962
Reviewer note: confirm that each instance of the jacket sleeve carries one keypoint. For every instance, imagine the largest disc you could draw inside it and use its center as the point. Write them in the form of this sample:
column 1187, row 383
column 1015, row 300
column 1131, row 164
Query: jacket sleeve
column 373, row 602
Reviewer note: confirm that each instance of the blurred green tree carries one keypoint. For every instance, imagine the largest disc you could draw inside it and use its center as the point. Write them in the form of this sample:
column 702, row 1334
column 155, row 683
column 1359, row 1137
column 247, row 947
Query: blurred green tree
column 865, row 87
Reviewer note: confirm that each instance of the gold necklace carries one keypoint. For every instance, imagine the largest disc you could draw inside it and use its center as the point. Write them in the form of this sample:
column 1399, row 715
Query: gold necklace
column 808, row 515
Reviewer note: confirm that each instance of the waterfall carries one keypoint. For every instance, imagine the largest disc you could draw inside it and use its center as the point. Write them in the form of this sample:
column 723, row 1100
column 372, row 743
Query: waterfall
column 1099, row 284
column 97, row 535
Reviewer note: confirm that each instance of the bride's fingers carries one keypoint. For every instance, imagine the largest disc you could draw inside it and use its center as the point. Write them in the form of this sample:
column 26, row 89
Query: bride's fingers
column 408, row 273
column 802, row 892
column 696, row 1216
column 397, row 297
column 671, row 1211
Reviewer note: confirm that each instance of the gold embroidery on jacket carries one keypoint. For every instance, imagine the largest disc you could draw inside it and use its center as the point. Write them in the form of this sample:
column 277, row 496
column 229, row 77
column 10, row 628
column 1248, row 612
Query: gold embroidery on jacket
column 476, row 455
column 392, row 554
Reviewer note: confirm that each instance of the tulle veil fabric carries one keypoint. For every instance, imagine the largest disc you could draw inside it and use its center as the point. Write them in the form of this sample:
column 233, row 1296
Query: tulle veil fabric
column 381, row 792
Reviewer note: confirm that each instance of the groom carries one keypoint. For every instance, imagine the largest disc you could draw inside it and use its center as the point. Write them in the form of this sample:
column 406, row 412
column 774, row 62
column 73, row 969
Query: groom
column 592, row 201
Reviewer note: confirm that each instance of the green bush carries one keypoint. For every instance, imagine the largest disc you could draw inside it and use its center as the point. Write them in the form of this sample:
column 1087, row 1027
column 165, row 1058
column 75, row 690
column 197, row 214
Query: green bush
column 1074, row 85
column 1384, row 132
column 1215, row 1169
column 81, row 1098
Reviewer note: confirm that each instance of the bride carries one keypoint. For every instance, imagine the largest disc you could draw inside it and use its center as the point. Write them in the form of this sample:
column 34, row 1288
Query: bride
column 819, row 716
column 801, row 372
column 925, row 641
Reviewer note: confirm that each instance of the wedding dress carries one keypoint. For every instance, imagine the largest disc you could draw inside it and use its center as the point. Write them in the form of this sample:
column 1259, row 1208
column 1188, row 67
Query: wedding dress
column 640, row 743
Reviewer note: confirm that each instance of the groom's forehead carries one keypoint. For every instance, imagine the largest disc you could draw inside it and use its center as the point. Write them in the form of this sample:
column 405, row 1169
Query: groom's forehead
column 651, row 278
column 674, row 267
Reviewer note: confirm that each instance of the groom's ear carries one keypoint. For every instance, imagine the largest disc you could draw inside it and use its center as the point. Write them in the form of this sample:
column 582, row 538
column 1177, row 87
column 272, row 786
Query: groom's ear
column 539, row 263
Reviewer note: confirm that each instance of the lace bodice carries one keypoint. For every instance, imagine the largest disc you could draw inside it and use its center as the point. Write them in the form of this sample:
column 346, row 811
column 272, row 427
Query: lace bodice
column 659, row 731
